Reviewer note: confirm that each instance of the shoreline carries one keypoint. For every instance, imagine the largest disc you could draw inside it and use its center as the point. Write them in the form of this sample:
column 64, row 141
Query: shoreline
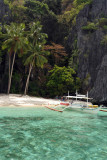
column 17, row 100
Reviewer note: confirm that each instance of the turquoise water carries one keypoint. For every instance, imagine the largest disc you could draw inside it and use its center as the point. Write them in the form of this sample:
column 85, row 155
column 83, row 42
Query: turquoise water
column 42, row 134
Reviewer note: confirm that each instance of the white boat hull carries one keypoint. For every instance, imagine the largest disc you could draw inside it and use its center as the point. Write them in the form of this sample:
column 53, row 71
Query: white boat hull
column 82, row 108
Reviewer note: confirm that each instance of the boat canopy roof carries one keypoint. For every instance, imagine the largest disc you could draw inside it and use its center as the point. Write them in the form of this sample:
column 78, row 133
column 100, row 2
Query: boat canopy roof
column 78, row 97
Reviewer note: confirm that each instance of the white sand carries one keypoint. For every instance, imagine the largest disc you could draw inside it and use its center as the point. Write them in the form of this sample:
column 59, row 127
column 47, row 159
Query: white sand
column 25, row 101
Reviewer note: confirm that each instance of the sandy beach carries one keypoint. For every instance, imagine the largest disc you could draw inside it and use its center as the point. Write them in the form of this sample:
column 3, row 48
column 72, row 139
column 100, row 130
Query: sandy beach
column 25, row 101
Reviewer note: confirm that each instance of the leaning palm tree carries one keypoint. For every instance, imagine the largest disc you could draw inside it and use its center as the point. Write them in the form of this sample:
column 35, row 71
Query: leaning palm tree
column 36, row 58
column 15, row 43
column 36, row 53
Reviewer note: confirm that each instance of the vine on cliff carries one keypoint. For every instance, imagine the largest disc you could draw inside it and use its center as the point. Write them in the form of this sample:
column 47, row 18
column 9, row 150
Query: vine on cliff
column 76, row 7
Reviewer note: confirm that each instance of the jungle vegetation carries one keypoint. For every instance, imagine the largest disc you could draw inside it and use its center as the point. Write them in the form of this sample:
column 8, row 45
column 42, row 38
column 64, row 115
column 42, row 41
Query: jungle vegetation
column 33, row 46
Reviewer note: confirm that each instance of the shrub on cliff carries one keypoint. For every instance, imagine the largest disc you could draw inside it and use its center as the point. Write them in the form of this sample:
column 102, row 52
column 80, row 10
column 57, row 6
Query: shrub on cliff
column 90, row 27
column 76, row 7
column 104, row 40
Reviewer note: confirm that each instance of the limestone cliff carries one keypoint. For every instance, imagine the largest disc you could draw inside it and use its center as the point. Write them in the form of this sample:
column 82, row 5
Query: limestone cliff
column 92, row 66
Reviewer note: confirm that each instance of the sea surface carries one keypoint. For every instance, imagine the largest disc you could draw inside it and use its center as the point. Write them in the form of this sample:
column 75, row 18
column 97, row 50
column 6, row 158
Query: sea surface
column 42, row 134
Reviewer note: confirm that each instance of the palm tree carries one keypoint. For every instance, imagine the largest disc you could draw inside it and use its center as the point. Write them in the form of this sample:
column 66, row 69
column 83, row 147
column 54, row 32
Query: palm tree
column 36, row 50
column 15, row 43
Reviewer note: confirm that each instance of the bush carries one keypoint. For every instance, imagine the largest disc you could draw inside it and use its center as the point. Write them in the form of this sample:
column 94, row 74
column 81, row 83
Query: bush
column 105, row 27
column 90, row 27
column 102, row 22
column 76, row 7
column 61, row 79
column 104, row 40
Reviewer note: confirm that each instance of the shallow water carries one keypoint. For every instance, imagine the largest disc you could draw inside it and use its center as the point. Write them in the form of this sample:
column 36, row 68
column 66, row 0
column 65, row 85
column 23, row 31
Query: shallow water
column 42, row 134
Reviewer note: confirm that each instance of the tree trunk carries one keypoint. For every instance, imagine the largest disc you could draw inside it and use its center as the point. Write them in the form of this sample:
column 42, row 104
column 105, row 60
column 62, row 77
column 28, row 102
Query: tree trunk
column 27, row 82
column 10, row 73
column 9, row 65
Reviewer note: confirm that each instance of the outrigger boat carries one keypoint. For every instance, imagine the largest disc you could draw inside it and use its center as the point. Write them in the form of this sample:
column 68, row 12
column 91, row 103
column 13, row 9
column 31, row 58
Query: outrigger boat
column 80, row 103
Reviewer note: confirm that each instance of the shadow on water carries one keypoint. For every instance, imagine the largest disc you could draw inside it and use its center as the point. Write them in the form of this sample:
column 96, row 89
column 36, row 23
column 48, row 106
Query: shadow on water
column 102, row 117
column 5, row 119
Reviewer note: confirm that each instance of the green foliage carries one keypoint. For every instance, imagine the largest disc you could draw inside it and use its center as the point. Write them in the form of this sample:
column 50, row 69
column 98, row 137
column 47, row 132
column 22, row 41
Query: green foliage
column 0, row 47
column 102, row 22
column 51, row 27
column 74, row 59
column 33, row 88
column 63, row 27
column 8, row 2
column 54, row 5
column 87, row 79
column 35, row 10
column 55, row 25
column 78, row 84
column 15, row 40
column 79, row 2
column 44, row 11
column 12, row 3
column 105, row 27
column 37, row 40
column 16, row 83
column 36, row 52
column 104, row 40
column 77, row 6
column 90, row 27
column 17, row 10
column 60, row 80
column 39, row 11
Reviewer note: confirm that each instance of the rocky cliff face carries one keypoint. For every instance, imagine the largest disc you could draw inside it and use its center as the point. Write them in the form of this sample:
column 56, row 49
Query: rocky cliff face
column 92, row 67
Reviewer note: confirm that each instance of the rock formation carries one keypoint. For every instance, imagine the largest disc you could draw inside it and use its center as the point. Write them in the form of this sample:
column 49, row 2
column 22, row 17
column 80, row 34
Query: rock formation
column 92, row 67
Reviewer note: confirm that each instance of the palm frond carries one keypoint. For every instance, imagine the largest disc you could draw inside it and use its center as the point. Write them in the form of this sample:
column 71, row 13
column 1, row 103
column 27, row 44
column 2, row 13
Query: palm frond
column 40, row 61
column 29, row 60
